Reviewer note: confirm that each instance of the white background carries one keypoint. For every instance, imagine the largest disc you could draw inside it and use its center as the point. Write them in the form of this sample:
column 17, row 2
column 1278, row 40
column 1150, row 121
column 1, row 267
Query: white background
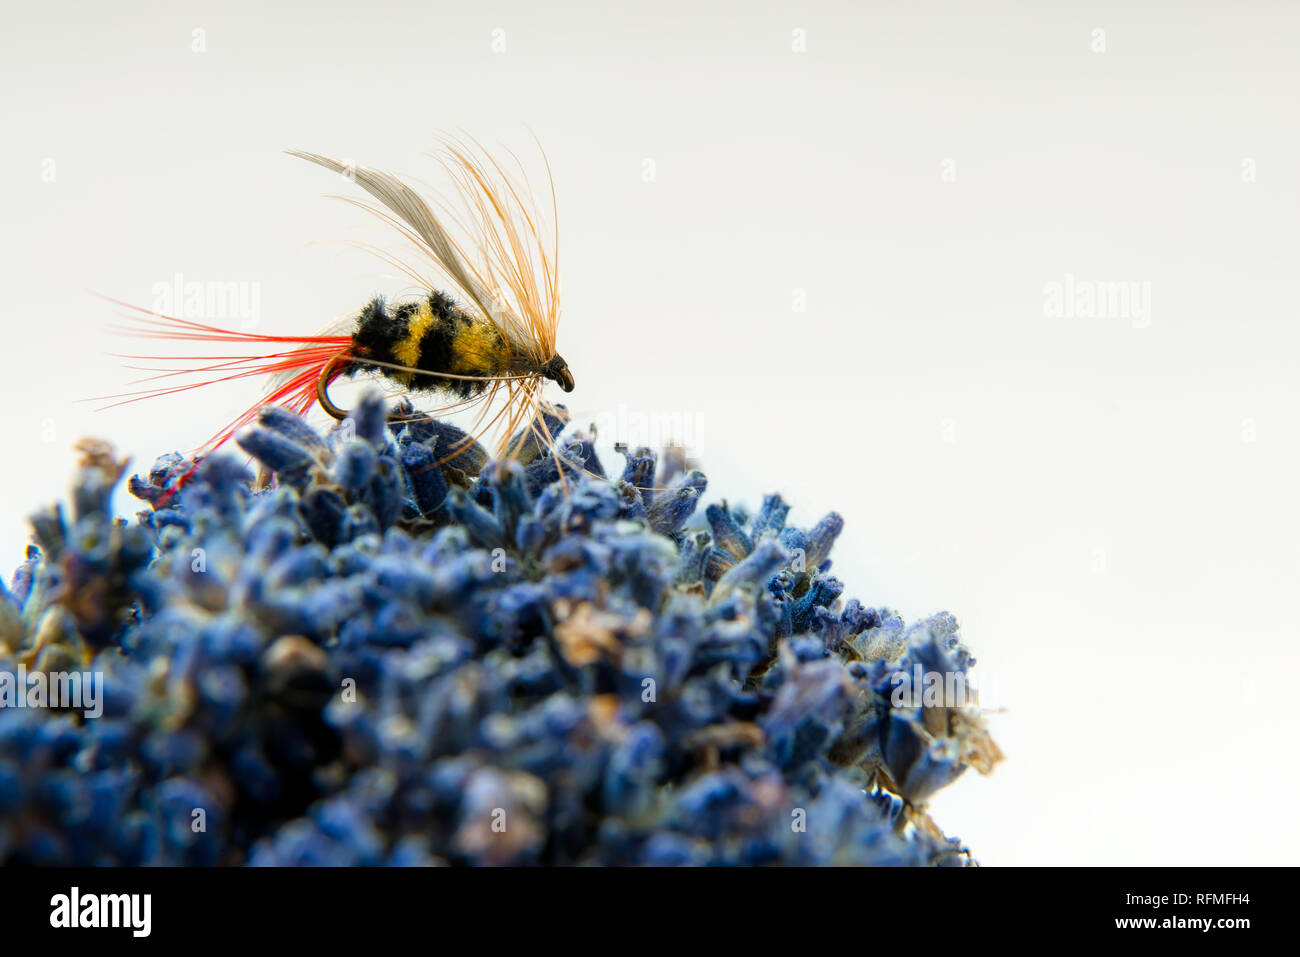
column 1107, row 505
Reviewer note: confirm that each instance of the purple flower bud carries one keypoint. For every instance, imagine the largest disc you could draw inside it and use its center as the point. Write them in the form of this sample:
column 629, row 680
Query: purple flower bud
column 727, row 533
column 479, row 524
column 424, row 478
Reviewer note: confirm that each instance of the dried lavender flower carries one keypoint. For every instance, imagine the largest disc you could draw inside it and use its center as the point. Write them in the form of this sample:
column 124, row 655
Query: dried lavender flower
column 386, row 658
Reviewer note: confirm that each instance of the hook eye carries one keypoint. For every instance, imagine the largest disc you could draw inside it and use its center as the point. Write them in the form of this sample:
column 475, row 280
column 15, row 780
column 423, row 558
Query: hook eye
column 558, row 370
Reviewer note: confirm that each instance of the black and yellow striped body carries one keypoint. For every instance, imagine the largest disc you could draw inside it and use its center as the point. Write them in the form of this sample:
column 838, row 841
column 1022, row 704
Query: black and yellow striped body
column 435, row 336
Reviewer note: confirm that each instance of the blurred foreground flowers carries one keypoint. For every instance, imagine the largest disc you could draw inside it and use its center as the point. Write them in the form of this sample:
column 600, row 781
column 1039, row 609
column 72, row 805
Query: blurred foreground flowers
column 375, row 660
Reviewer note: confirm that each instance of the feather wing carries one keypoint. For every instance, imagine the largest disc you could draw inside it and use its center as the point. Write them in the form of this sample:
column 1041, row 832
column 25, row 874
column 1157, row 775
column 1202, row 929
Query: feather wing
column 508, row 260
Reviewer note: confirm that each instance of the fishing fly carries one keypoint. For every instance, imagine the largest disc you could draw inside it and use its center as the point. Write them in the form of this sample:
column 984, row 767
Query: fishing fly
column 483, row 327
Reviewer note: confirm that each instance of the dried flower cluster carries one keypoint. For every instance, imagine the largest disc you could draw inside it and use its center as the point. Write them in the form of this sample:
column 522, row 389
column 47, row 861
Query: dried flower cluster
column 373, row 659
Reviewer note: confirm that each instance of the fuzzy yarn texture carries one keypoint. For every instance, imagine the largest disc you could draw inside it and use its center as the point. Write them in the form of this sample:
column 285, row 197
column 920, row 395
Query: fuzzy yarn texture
column 360, row 657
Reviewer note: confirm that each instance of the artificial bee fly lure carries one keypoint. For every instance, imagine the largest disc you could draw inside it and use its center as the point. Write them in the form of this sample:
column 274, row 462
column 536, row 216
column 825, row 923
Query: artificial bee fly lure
column 486, row 321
